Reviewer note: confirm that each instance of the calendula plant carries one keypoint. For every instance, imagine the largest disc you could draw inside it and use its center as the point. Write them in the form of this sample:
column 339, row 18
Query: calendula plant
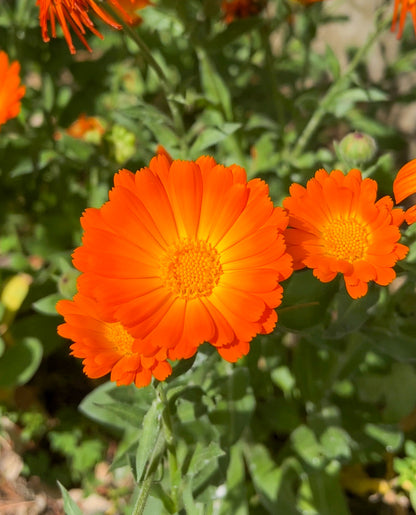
column 214, row 212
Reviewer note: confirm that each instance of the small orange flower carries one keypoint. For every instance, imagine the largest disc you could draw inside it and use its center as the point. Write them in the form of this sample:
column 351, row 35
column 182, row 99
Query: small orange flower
column 401, row 8
column 233, row 9
column 336, row 225
column 182, row 253
column 86, row 127
column 10, row 89
column 106, row 346
column 75, row 13
column 404, row 186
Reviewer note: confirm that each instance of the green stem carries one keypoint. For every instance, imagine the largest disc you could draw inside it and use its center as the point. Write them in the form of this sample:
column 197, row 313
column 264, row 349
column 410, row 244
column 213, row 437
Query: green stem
column 174, row 471
column 277, row 98
column 334, row 90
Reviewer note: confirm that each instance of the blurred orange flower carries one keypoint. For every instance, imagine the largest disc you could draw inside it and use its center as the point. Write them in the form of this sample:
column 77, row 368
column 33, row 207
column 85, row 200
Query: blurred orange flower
column 10, row 89
column 184, row 253
column 86, row 127
column 306, row 2
column 336, row 225
column 401, row 8
column 233, row 9
column 404, row 186
column 106, row 346
column 75, row 13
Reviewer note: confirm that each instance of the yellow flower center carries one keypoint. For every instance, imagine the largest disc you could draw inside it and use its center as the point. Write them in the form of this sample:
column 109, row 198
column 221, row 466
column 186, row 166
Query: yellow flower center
column 119, row 337
column 191, row 269
column 345, row 239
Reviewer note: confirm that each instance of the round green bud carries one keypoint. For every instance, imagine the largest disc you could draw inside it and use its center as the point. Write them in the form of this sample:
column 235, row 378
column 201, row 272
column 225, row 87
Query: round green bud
column 357, row 148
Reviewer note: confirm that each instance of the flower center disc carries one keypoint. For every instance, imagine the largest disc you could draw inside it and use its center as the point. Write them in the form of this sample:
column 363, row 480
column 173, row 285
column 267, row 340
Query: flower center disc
column 345, row 239
column 121, row 340
column 191, row 269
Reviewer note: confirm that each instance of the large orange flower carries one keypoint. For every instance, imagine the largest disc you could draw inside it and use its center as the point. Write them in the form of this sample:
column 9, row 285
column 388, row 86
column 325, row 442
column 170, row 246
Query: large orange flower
column 10, row 89
column 186, row 252
column 336, row 225
column 401, row 8
column 233, row 9
column 75, row 13
column 106, row 346
column 404, row 186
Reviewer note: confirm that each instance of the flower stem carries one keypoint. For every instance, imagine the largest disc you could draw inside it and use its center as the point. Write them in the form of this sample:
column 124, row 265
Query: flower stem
column 339, row 85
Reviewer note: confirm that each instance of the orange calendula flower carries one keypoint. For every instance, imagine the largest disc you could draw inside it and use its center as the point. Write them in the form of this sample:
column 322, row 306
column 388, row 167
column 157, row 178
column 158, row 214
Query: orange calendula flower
column 184, row 253
column 404, row 186
column 106, row 346
column 75, row 13
column 11, row 91
column 401, row 9
column 233, row 9
column 88, row 128
column 337, row 225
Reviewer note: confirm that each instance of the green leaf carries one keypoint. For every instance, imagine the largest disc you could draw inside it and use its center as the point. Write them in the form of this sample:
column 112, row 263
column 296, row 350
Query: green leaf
column 149, row 435
column 305, row 301
column 336, row 443
column 327, row 494
column 202, row 457
column 235, row 501
column 306, row 445
column 395, row 344
column 47, row 305
column 19, row 362
column 274, row 483
column 70, row 506
column 388, row 436
column 99, row 405
column 351, row 313
column 214, row 87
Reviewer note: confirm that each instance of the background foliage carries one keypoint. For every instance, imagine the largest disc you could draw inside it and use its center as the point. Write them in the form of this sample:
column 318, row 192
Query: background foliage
column 320, row 417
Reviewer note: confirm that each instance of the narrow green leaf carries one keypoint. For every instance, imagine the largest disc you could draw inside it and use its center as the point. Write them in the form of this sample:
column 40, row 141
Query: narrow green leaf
column 274, row 483
column 327, row 494
column 70, row 506
column 149, row 435
column 215, row 89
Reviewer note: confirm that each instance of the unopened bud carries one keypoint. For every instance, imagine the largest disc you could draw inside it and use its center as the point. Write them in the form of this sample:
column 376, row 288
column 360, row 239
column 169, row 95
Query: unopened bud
column 357, row 148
